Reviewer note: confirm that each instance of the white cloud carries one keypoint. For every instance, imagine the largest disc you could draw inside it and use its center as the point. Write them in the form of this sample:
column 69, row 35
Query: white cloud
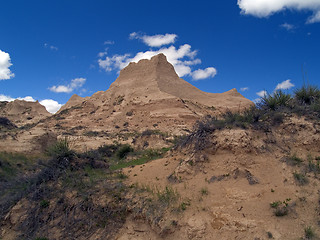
column 265, row 8
column 243, row 89
column 4, row 98
column 46, row 45
column 182, row 57
column 284, row 85
column 155, row 40
column 287, row 26
column 174, row 56
column 262, row 93
column 204, row 73
column 10, row 99
column 5, row 64
column 52, row 106
column 75, row 83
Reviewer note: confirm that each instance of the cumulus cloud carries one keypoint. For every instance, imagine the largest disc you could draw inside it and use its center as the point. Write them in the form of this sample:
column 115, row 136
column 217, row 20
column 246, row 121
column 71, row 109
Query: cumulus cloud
column 155, row 40
column 74, row 84
column 182, row 58
column 204, row 73
column 287, row 26
column 265, row 8
column 51, row 47
column 262, row 93
column 5, row 64
column 284, row 85
column 243, row 89
column 10, row 99
column 52, row 106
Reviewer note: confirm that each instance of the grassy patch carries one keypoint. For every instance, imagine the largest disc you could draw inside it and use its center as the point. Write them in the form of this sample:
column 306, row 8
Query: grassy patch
column 141, row 157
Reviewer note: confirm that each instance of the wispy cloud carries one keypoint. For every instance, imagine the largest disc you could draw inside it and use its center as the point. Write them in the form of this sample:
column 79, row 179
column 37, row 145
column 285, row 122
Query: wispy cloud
column 51, row 47
column 155, row 40
column 5, row 64
column 265, row 8
column 287, row 26
column 243, row 89
column 74, row 84
column 182, row 58
column 108, row 42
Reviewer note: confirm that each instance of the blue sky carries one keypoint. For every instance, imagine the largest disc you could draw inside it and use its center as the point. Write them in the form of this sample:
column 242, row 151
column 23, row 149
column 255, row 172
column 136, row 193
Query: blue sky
column 50, row 50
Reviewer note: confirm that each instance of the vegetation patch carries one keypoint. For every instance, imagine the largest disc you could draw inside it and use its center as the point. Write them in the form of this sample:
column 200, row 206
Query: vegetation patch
column 281, row 208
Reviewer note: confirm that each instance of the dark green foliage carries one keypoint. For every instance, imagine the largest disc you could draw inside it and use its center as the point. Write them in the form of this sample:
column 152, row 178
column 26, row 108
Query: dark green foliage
column 275, row 100
column 123, row 151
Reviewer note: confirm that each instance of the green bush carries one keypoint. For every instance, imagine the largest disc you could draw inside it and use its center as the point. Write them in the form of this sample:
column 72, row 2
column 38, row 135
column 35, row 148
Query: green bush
column 275, row 100
column 123, row 151
column 307, row 94
column 61, row 149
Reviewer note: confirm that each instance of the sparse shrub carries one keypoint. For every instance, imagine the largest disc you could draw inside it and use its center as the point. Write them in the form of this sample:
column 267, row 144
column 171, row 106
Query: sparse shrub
column 309, row 233
column 61, row 149
column 300, row 178
column 41, row 238
column 314, row 167
column 44, row 204
column 123, row 151
column 281, row 208
column 269, row 235
column 108, row 150
column 122, row 175
column 183, row 205
column 91, row 133
column 204, row 191
column 292, row 160
column 167, row 196
column 275, row 100
column 307, row 94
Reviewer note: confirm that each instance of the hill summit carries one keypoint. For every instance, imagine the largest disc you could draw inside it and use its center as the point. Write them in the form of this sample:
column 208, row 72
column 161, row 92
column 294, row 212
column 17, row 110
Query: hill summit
column 148, row 94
